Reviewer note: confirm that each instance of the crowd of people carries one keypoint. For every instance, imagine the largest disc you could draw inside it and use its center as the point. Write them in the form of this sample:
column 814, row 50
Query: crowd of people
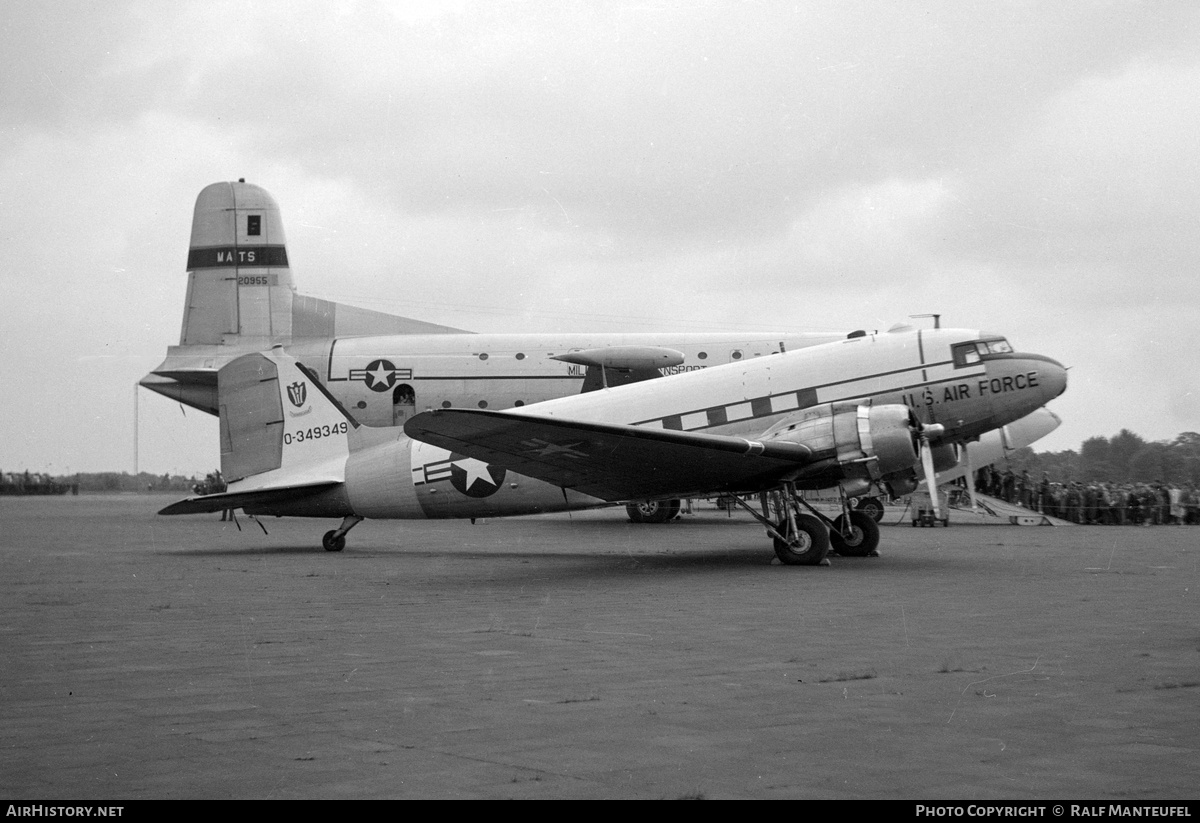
column 1095, row 502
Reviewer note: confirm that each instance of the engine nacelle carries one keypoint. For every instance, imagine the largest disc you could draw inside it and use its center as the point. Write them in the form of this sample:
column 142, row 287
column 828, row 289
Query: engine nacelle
column 853, row 445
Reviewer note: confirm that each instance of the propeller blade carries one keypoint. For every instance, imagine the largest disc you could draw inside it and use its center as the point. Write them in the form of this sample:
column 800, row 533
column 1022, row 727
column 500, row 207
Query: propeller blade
column 930, row 477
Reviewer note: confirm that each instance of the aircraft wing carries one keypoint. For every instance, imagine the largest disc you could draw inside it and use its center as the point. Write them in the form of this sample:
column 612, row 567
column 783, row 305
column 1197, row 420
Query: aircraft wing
column 609, row 461
column 237, row 500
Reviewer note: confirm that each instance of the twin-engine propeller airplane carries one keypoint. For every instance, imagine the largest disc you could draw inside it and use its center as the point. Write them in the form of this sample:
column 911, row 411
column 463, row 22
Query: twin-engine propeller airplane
column 865, row 415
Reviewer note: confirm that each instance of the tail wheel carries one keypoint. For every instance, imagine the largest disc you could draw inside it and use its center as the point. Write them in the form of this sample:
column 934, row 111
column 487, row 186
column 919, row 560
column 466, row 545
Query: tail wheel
column 808, row 546
column 332, row 542
column 860, row 540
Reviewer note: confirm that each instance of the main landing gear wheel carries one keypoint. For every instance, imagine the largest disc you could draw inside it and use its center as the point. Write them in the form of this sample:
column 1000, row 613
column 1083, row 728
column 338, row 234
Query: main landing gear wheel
column 861, row 540
column 807, row 547
column 652, row 511
column 871, row 507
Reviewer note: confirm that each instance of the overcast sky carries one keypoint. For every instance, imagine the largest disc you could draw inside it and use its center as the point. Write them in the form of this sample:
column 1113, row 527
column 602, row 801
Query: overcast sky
column 1026, row 168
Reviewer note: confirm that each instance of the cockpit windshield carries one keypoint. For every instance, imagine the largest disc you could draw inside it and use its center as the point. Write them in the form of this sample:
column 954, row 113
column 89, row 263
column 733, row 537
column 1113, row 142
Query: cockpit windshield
column 967, row 353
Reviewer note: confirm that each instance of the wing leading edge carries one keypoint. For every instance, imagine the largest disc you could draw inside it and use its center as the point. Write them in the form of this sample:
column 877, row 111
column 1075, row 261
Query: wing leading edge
column 609, row 461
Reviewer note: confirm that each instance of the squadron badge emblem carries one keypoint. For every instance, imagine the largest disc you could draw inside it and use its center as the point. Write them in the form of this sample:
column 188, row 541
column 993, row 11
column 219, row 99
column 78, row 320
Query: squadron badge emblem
column 297, row 393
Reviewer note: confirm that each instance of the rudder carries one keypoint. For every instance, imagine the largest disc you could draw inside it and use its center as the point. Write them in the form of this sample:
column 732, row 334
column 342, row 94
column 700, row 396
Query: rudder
column 276, row 416
column 239, row 282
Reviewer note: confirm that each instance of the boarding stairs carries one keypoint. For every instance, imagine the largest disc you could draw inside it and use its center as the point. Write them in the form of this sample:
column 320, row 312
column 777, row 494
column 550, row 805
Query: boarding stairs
column 994, row 510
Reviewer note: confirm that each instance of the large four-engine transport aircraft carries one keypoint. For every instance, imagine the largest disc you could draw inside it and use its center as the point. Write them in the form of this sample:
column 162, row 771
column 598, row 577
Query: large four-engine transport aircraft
column 867, row 414
column 384, row 368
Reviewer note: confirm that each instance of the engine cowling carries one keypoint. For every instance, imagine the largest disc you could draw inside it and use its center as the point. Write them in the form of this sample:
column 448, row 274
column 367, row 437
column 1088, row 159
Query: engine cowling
column 855, row 446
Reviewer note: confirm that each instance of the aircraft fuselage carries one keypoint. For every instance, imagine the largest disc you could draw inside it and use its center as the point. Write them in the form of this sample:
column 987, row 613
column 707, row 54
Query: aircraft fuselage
column 398, row 477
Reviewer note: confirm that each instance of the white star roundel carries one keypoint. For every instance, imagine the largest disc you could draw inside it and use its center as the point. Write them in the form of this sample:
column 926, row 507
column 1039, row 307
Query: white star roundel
column 380, row 375
column 474, row 478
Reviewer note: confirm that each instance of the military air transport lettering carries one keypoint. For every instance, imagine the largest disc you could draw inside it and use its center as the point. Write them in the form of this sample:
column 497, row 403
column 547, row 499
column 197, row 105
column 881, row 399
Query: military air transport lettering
column 228, row 256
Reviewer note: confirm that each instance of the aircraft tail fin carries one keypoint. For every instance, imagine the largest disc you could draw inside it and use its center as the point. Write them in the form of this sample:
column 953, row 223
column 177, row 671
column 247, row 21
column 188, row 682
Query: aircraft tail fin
column 240, row 287
column 239, row 282
column 283, row 436
column 241, row 297
column 277, row 417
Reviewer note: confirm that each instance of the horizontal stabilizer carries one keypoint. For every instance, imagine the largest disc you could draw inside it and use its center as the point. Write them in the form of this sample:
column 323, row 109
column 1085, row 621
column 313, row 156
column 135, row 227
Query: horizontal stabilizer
column 609, row 461
column 252, row 499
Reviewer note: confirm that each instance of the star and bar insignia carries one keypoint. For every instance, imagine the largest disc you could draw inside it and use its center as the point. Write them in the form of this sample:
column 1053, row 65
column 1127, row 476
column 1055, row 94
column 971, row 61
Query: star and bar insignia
column 380, row 375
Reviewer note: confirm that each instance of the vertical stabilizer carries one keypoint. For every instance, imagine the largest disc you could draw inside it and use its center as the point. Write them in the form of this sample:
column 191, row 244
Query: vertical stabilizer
column 278, row 422
column 284, row 439
column 239, row 283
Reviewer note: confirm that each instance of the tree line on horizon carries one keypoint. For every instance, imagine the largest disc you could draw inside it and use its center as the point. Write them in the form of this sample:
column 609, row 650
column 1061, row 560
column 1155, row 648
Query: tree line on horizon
column 1123, row 458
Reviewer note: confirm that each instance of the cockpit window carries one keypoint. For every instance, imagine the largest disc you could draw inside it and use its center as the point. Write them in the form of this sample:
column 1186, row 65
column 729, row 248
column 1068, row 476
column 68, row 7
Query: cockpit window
column 966, row 354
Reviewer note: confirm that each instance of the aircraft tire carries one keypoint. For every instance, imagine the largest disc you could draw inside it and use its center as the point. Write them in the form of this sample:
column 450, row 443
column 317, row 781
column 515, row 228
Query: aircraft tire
column 872, row 507
column 332, row 543
column 811, row 546
column 652, row 511
column 864, row 538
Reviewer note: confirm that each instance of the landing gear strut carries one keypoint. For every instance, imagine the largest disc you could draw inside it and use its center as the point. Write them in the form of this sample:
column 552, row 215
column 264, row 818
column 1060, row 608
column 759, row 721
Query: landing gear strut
column 800, row 539
column 805, row 539
column 335, row 540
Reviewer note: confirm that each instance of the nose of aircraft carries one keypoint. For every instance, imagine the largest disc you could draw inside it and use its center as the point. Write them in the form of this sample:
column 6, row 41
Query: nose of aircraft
column 1052, row 376
column 1017, row 384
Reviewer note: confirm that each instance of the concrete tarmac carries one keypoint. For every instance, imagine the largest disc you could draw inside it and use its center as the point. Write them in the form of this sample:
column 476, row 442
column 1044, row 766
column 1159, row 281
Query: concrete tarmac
column 586, row 657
